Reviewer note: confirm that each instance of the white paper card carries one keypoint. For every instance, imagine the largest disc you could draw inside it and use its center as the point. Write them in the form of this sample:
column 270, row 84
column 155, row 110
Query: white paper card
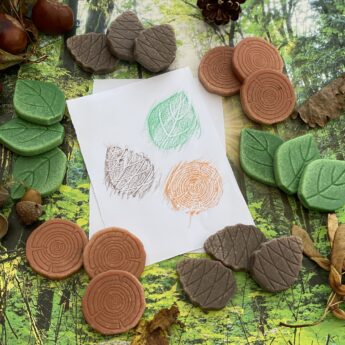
column 119, row 118
column 214, row 106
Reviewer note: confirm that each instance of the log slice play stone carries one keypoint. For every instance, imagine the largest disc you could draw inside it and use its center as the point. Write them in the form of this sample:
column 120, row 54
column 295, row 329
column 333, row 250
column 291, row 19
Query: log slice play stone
column 267, row 97
column 114, row 249
column 253, row 54
column 216, row 73
column 114, row 302
column 55, row 249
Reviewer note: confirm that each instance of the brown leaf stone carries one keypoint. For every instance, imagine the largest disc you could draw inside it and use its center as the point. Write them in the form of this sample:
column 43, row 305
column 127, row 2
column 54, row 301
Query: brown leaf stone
column 155, row 48
column 208, row 284
column 276, row 264
column 234, row 245
column 121, row 35
column 91, row 52
column 326, row 104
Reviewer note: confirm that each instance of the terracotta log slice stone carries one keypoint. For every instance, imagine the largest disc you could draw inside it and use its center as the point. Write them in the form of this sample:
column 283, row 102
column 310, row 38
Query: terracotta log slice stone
column 114, row 249
column 267, row 97
column 114, row 302
column 216, row 73
column 121, row 35
column 55, row 249
column 253, row 54
column 90, row 51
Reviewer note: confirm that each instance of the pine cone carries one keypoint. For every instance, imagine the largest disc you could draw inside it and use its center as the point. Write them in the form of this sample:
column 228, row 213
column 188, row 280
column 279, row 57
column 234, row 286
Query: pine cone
column 220, row 11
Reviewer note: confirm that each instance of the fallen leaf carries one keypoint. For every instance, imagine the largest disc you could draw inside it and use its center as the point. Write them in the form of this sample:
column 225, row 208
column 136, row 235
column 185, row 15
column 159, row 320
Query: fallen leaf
column 309, row 249
column 156, row 331
column 326, row 104
column 8, row 59
column 332, row 226
column 335, row 307
column 337, row 261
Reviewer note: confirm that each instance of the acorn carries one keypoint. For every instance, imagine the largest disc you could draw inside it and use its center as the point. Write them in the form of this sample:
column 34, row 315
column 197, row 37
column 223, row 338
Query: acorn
column 3, row 226
column 13, row 38
column 4, row 196
column 32, row 195
column 51, row 17
column 28, row 211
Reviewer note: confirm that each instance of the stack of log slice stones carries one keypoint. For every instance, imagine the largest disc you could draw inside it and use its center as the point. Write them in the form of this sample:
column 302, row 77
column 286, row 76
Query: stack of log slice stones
column 114, row 300
column 254, row 69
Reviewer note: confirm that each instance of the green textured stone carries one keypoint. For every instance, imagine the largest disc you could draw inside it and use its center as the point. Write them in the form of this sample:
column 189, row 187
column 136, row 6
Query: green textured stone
column 257, row 149
column 322, row 185
column 291, row 158
column 39, row 102
column 44, row 173
column 28, row 139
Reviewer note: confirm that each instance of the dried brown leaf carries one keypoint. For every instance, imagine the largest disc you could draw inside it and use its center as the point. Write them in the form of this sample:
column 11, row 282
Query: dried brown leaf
column 31, row 30
column 332, row 226
column 156, row 331
column 326, row 104
column 309, row 249
column 8, row 60
column 337, row 261
column 335, row 307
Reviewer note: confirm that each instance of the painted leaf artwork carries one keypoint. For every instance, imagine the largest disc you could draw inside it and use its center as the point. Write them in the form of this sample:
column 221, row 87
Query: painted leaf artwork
column 194, row 186
column 290, row 160
column 127, row 173
column 322, row 186
column 28, row 139
column 257, row 150
column 173, row 122
column 43, row 172
column 39, row 102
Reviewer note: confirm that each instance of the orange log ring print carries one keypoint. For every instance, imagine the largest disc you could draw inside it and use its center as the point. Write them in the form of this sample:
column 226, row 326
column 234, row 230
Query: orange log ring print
column 194, row 186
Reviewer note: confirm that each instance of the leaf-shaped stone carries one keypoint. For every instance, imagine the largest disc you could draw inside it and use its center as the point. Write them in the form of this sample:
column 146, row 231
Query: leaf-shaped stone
column 44, row 173
column 28, row 139
column 39, row 102
column 155, row 48
column 121, row 35
column 172, row 122
column 207, row 283
column 275, row 266
column 257, row 149
column 322, row 185
column 291, row 158
column 91, row 52
column 128, row 173
column 234, row 245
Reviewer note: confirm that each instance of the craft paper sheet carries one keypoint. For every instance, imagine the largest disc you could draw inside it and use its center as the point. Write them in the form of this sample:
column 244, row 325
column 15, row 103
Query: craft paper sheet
column 215, row 110
column 127, row 125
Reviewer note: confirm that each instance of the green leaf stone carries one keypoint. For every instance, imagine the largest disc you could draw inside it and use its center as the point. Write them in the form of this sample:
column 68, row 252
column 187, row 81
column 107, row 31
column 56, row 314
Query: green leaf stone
column 172, row 122
column 322, row 185
column 39, row 102
column 257, row 149
column 290, row 160
column 28, row 139
column 44, row 173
